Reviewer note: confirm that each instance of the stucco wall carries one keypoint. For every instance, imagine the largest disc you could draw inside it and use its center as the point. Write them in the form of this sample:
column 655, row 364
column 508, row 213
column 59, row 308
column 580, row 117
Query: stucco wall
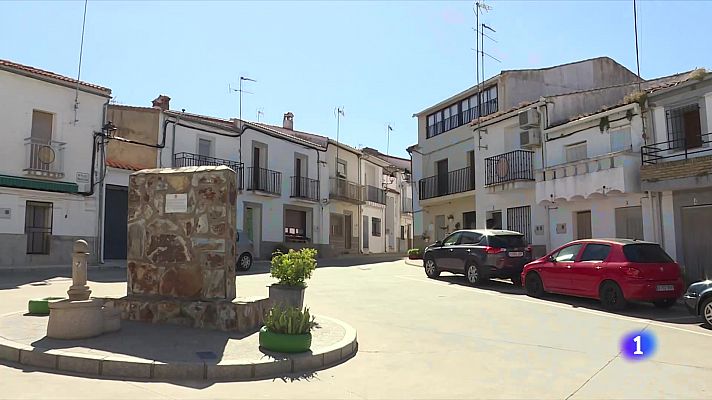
column 139, row 124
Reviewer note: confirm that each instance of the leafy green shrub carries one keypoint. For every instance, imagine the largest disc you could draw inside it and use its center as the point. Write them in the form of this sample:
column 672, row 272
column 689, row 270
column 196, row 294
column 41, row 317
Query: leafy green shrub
column 279, row 249
column 289, row 320
column 414, row 252
column 293, row 268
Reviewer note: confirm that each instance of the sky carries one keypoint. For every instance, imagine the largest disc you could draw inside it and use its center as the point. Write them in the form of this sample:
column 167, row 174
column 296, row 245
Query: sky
column 381, row 61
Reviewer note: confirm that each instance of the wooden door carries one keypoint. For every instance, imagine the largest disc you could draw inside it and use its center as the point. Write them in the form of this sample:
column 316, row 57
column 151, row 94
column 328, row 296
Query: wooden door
column 583, row 225
column 693, row 129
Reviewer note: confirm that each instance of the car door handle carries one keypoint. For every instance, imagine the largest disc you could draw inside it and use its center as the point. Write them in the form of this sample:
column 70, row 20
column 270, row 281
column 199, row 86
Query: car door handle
column 599, row 266
column 452, row 250
column 468, row 250
column 568, row 266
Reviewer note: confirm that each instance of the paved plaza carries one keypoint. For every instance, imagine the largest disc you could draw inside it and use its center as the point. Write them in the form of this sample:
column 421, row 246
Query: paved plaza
column 421, row 338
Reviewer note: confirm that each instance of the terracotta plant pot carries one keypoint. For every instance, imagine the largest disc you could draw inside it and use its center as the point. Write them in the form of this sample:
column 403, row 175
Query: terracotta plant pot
column 284, row 343
column 291, row 296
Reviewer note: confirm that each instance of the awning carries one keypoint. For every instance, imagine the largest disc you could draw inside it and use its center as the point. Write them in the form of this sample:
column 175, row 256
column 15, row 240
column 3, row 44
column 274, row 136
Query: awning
column 38, row 184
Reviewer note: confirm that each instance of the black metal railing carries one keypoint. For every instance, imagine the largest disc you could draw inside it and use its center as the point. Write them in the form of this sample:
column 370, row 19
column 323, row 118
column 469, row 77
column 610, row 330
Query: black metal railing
column 184, row 159
column 462, row 118
column 342, row 189
column 513, row 166
column 461, row 180
column 676, row 149
column 305, row 188
column 375, row 194
column 264, row 180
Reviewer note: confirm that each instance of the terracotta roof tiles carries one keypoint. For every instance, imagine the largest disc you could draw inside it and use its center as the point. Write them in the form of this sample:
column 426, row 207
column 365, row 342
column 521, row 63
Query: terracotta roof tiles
column 48, row 74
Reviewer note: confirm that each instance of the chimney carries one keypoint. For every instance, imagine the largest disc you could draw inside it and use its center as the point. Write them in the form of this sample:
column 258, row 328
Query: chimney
column 163, row 102
column 288, row 122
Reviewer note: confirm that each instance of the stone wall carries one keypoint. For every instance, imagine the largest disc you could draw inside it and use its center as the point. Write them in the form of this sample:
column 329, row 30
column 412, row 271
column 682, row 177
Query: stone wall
column 677, row 169
column 181, row 233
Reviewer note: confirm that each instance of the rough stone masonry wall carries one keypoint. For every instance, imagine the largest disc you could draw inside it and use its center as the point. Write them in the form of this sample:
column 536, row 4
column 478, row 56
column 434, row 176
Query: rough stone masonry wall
column 181, row 233
column 697, row 166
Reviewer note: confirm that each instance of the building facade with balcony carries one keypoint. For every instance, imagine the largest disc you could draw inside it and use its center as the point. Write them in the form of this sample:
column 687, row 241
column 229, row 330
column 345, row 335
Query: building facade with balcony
column 47, row 199
column 486, row 179
column 676, row 171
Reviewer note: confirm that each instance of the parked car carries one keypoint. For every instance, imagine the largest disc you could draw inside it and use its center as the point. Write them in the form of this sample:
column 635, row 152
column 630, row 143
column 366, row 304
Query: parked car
column 611, row 270
column 245, row 249
column 698, row 300
column 479, row 254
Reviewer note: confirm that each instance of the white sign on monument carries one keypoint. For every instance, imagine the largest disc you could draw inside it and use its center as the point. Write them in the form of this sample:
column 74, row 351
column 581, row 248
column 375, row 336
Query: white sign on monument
column 176, row 203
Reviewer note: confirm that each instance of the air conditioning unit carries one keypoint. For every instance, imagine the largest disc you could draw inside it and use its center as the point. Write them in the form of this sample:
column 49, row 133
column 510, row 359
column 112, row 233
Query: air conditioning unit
column 530, row 138
column 528, row 118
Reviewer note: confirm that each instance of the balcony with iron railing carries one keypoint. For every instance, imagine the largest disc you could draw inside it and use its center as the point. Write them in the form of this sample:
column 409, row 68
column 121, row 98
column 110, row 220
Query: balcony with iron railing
column 184, row 159
column 509, row 167
column 264, row 180
column 44, row 158
column 679, row 158
column 375, row 194
column 305, row 188
column 344, row 190
column 458, row 181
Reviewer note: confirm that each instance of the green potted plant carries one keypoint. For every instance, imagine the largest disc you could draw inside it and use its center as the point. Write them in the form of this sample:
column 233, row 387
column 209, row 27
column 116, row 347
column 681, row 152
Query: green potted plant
column 291, row 269
column 415, row 254
column 287, row 330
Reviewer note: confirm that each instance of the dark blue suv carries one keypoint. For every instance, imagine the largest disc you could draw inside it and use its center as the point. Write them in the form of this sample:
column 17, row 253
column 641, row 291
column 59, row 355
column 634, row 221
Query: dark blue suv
column 479, row 254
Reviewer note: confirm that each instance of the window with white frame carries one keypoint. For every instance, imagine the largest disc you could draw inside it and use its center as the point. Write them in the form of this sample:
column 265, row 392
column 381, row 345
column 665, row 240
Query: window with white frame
column 375, row 226
column 576, row 152
column 205, row 147
column 462, row 112
column 620, row 139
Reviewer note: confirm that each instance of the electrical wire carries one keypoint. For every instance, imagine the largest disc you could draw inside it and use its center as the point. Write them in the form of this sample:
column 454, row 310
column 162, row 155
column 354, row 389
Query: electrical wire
column 79, row 71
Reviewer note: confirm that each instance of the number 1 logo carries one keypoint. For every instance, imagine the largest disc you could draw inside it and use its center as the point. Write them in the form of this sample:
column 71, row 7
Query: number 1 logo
column 636, row 346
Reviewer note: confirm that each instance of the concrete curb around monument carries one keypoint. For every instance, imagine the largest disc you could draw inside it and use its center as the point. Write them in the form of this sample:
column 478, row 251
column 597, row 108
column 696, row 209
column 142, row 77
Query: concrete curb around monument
column 132, row 368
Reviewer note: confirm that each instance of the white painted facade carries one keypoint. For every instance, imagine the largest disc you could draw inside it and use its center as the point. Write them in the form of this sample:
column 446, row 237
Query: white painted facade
column 66, row 161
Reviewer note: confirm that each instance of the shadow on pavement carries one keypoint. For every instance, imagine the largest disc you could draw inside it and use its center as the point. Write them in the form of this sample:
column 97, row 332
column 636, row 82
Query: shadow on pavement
column 15, row 279
column 674, row 315
column 262, row 267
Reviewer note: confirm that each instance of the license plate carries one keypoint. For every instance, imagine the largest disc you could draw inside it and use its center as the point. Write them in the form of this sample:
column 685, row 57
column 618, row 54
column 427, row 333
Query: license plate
column 665, row 288
column 516, row 253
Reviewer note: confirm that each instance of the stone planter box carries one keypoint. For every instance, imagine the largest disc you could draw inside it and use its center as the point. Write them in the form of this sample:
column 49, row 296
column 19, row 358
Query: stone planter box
column 290, row 296
column 284, row 343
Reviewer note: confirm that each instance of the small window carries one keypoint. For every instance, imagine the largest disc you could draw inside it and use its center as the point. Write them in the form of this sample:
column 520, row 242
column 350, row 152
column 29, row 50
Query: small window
column 576, row 152
column 38, row 227
column 452, row 239
column 341, row 169
column 620, row 139
column 470, row 238
column 595, row 252
column 646, row 253
column 376, row 226
column 568, row 253
column 205, row 147
column 402, row 235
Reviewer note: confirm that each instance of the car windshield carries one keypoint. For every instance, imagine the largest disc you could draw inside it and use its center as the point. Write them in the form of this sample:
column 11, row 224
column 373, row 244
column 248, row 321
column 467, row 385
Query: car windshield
column 506, row 241
column 646, row 253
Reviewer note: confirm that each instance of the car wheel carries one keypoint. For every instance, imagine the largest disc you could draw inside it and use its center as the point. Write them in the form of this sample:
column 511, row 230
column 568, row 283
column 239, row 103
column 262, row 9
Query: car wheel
column 706, row 311
column 474, row 275
column 534, row 285
column 611, row 297
column 431, row 269
column 664, row 303
column 244, row 262
column 517, row 280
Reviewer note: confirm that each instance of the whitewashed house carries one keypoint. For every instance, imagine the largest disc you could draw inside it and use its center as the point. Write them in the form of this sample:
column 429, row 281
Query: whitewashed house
column 676, row 170
column 47, row 199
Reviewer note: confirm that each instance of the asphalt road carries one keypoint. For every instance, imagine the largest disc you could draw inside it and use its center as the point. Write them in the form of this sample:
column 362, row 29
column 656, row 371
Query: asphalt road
column 423, row 338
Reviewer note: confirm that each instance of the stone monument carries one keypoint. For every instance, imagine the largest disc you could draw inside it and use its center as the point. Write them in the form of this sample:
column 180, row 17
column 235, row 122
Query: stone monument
column 181, row 250
column 80, row 317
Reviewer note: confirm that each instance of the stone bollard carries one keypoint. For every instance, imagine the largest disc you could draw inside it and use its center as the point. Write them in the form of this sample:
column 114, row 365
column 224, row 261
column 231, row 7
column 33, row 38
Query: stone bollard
column 79, row 289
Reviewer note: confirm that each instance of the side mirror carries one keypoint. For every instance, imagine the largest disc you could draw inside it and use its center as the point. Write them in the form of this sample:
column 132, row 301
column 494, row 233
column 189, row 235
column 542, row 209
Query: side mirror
column 438, row 243
column 551, row 259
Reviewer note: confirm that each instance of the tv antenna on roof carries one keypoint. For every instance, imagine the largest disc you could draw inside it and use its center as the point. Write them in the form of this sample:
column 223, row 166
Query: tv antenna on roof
column 239, row 89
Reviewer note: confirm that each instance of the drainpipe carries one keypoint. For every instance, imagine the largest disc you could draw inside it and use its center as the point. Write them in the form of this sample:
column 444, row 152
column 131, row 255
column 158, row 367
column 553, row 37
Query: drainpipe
column 173, row 144
column 359, row 223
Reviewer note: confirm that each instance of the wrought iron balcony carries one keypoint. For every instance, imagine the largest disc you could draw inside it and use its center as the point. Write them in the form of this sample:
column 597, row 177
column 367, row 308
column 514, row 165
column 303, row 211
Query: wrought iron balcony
column 44, row 158
column 458, row 181
column 681, row 148
column 341, row 189
column 375, row 194
column 264, row 180
column 184, row 159
column 305, row 188
column 509, row 167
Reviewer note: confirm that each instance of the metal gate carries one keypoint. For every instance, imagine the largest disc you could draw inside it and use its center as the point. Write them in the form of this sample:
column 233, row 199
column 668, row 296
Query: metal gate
column 115, row 221
column 697, row 252
column 519, row 219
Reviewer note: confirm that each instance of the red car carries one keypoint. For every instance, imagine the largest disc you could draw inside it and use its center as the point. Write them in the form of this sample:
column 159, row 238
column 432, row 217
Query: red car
column 611, row 270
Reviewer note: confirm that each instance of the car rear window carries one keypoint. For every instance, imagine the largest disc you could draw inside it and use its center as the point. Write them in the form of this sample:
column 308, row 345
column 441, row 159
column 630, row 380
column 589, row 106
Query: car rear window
column 506, row 241
column 646, row 253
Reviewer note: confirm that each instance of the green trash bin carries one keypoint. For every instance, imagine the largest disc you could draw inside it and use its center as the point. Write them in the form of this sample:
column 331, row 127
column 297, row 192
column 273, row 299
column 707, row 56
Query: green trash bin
column 41, row 306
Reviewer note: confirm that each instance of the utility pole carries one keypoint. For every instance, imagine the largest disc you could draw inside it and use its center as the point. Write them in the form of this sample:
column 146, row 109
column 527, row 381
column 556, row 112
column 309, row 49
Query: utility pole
column 339, row 112
column 389, row 129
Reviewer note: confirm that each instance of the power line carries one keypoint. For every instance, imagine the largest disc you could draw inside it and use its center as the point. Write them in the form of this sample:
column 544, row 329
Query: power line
column 79, row 70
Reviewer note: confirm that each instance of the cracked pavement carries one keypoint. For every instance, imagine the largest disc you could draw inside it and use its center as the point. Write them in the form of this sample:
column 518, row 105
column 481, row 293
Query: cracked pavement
column 422, row 338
